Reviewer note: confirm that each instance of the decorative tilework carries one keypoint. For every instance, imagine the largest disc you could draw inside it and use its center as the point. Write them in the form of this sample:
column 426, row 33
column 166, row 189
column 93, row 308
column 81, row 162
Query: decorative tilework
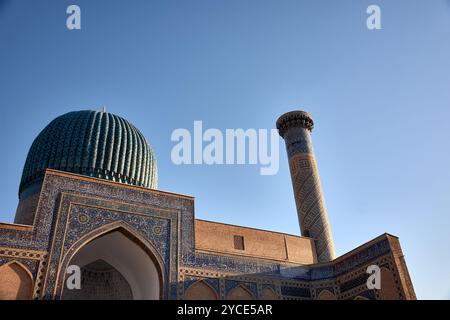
column 295, row 128
column 295, row 292
column 74, row 209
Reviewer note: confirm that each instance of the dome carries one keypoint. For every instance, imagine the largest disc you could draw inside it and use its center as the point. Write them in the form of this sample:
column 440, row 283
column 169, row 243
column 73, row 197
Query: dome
column 94, row 144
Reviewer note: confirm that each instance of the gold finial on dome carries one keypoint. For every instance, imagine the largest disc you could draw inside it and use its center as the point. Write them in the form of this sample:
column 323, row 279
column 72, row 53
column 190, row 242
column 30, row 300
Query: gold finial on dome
column 104, row 109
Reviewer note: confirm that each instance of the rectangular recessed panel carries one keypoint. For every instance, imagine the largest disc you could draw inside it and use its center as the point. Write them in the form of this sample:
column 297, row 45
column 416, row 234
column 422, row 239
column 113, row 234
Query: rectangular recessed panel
column 239, row 242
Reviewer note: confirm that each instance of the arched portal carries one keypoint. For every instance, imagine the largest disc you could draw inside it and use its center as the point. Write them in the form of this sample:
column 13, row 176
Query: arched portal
column 115, row 265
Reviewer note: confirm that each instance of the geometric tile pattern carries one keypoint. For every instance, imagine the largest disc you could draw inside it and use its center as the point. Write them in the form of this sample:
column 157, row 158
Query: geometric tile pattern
column 310, row 204
column 295, row 128
column 73, row 209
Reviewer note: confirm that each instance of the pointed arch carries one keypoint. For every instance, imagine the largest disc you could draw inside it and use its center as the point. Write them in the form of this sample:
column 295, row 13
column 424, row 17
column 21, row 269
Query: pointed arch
column 16, row 281
column 120, row 231
column 241, row 292
column 267, row 293
column 201, row 290
column 326, row 295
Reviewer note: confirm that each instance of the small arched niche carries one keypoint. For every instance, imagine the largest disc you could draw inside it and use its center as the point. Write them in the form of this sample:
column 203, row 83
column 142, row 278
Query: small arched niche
column 326, row 295
column 200, row 290
column 268, row 294
column 16, row 282
column 240, row 293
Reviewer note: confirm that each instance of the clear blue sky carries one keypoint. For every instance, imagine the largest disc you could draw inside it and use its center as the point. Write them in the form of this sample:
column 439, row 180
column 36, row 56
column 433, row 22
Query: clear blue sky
column 380, row 99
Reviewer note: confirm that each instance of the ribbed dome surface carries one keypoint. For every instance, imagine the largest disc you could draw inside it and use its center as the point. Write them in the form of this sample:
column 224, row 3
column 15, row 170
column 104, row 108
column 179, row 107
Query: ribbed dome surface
column 95, row 144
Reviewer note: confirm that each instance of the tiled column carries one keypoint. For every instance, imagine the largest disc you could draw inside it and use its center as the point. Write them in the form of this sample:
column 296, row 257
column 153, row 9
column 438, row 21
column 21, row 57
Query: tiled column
column 295, row 128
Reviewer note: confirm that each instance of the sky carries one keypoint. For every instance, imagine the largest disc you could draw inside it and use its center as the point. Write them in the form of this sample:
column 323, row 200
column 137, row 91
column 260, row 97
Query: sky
column 380, row 100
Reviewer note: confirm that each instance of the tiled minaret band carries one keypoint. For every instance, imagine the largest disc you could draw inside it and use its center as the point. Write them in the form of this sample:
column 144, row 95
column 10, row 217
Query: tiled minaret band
column 295, row 128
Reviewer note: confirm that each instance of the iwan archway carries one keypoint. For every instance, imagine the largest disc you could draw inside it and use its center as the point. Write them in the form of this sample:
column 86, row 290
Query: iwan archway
column 117, row 265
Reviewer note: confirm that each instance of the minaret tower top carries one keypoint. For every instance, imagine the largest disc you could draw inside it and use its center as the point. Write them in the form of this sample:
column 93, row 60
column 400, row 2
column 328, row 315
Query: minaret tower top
column 294, row 119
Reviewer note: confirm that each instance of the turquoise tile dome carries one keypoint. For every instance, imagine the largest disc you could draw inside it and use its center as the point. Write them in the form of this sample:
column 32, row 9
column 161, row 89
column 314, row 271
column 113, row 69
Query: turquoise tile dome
column 94, row 144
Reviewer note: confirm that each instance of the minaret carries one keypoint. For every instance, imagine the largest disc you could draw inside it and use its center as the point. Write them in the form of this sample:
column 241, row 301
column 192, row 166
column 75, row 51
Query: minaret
column 295, row 128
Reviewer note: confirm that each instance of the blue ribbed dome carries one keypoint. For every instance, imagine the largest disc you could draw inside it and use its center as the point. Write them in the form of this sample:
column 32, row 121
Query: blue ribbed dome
column 94, row 144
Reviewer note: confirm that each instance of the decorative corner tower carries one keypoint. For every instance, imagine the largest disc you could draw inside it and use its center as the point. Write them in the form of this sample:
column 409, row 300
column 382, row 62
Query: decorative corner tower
column 295, row 128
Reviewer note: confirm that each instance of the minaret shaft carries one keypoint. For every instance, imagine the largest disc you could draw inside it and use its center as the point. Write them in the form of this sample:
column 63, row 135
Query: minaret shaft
column 295, row 128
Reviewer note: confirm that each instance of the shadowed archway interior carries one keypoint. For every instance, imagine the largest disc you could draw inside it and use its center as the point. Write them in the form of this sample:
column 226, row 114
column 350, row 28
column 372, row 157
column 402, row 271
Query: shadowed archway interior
column 115, row 267
column 100, row 281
